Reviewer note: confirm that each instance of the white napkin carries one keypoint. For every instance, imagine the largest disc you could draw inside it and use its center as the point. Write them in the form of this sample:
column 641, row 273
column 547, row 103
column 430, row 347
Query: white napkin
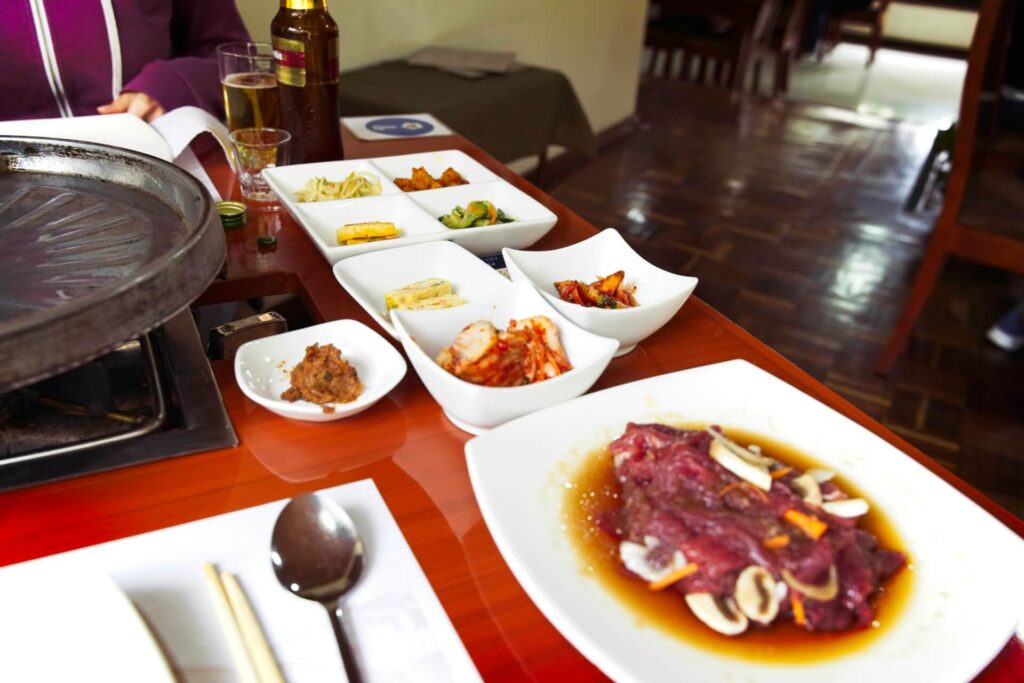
column 399, row 628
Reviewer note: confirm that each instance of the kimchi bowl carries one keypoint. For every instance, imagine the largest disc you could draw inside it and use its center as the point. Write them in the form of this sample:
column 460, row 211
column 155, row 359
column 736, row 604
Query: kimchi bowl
column 659, row 294
column 475, row 408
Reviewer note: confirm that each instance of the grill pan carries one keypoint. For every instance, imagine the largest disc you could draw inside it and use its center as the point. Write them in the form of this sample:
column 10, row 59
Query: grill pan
column 98, row 245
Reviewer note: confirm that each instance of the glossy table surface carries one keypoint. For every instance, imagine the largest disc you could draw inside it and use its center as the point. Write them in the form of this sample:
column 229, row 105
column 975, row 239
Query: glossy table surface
column 404, row 443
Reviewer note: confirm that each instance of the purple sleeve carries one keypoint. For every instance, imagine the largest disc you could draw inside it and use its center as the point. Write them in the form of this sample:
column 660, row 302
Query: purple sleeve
column 190, row 77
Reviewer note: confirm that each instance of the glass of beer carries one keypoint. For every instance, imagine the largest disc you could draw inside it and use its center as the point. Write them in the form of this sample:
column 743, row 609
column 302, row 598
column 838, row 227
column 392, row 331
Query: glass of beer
column 250, row 86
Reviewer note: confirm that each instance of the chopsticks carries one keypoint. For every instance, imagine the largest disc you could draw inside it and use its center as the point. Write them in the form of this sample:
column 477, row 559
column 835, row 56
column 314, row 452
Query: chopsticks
column 250, row 652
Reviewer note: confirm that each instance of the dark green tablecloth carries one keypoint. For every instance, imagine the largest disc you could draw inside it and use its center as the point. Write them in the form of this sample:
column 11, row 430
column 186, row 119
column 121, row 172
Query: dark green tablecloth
column 511, row 115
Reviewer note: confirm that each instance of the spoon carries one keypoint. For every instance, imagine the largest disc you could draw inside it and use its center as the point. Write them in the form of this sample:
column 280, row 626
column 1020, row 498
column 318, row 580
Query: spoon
column 317, row 555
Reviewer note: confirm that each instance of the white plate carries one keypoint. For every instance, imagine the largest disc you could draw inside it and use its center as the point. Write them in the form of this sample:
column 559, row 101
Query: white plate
column 63, row 620
column 474, row 408
column 370, row 276
column 322, row 220
column 415, row 213
column 965, row 597
column 659, row 293
column 263, row 367
column 435, row 163
column 532, row 221
column 287, row 180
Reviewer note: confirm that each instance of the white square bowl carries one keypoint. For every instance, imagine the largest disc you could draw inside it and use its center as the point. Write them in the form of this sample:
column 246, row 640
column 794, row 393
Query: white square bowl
column 285, row 181
column 370, row 276
column 435, row 163
column 532, row 221
column 659, row 293
column 322, row 220
column 474, row 408
column 263, row 368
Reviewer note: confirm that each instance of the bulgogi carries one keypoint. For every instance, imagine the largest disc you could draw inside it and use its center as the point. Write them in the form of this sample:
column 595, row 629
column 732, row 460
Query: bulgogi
column 746, row 539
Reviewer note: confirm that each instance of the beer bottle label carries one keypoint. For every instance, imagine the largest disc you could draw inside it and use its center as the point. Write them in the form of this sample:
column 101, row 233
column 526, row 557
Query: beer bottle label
column 290, row 61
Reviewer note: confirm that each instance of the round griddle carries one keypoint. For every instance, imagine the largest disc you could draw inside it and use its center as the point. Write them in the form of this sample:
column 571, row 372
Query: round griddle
column 97, row 246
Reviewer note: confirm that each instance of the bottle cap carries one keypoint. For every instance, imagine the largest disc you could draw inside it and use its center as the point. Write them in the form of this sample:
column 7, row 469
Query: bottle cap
column 232, row 214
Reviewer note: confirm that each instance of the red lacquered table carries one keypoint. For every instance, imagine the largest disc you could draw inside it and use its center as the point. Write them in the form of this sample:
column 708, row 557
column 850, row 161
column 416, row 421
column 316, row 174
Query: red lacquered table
column 404, row 443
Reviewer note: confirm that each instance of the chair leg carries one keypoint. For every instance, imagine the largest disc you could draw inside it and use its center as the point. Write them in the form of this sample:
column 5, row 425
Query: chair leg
column 703, row 71
column 755, row 84
column 781, row 84
column 874, row 41
column 927, row 276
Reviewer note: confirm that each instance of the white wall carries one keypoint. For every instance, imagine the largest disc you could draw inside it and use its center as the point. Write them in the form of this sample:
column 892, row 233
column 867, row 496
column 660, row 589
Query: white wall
column 596, row 43
column 931, row 25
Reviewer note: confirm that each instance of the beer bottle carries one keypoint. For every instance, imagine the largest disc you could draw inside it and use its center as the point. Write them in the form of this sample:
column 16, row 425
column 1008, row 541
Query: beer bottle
column 305, row 40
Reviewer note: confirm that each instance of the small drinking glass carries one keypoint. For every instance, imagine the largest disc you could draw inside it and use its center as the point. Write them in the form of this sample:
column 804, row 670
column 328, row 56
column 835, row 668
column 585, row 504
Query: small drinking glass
column 255, row 150
column 250, row 85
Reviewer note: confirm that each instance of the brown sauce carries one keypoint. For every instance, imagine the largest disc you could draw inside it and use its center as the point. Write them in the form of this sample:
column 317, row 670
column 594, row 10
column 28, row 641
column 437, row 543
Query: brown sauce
column 594, row 490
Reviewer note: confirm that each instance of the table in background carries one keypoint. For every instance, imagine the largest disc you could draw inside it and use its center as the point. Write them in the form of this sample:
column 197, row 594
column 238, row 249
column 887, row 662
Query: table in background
column 513, row 115
column 404, row 443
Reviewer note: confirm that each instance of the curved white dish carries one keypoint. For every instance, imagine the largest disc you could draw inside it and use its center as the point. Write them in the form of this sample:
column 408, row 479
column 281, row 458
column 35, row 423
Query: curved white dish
column 370, row 276
column 474, row 408
column 63, row 620
column 263, row 367
column 659, row 293
column 965, row 598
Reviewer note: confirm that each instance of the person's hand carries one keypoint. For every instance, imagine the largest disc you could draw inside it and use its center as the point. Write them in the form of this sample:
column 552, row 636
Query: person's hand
column 138, row 103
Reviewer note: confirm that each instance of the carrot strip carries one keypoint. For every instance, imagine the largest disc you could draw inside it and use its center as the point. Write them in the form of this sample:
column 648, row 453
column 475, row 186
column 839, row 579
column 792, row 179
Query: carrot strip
column 809, row 524
column 799, row 616
column 677, row 575
column 742, row 485
column 780, row 473
column 776, row 542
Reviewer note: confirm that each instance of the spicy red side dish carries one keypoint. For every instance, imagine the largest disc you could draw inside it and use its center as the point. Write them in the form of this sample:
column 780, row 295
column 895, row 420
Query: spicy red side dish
column 529, row 351
column 604, row 292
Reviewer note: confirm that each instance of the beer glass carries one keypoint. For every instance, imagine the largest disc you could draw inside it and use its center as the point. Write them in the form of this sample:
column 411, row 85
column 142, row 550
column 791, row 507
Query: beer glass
column 250, row 86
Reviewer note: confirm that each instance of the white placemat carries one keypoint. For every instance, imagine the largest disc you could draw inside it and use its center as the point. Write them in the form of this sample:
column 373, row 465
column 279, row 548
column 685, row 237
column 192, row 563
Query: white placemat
column 391, row 126
column 398, row 626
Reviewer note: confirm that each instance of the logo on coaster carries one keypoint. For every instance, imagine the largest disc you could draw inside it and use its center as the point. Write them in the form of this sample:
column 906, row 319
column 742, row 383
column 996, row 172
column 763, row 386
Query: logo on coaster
column 401, row 127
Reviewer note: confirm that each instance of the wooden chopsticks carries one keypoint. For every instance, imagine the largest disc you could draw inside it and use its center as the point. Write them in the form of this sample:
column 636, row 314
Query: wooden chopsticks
column 252, row 656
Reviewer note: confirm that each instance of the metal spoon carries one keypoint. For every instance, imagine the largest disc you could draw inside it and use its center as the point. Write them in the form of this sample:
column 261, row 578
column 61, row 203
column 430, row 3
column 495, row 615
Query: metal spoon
column 317, row 554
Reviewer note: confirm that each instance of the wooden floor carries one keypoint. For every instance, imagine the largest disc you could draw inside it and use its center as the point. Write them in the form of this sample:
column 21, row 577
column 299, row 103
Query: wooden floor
column 790, row 215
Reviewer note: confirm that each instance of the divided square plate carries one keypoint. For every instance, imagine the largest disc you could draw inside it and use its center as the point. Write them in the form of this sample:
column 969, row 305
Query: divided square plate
column 370, row 276
column 414, row 213
column 966, row 596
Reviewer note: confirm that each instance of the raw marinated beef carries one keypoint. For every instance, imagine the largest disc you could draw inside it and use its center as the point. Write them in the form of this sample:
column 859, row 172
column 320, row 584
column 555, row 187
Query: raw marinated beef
column 676, row 497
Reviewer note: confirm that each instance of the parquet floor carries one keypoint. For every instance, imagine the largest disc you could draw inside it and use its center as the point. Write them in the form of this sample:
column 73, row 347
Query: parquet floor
column 790, row 215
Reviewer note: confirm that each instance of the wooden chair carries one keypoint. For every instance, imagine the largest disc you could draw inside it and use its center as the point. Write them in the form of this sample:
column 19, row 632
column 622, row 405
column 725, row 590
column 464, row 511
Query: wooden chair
column 982, row 218
column 872, row 18
column 712, row 57
column 782, row 44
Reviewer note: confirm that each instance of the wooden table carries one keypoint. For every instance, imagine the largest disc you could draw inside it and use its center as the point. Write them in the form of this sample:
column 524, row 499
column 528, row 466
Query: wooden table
column 404, row 443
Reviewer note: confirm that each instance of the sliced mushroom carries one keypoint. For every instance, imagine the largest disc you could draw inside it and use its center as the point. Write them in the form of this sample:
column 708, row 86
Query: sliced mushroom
column 756, row 594
column 821, row 475
column 757, row 475
column 718, row 613
column 808, row 488
column 635, row 558
column 819, row 593
column 745, row 453
column 850, row 507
